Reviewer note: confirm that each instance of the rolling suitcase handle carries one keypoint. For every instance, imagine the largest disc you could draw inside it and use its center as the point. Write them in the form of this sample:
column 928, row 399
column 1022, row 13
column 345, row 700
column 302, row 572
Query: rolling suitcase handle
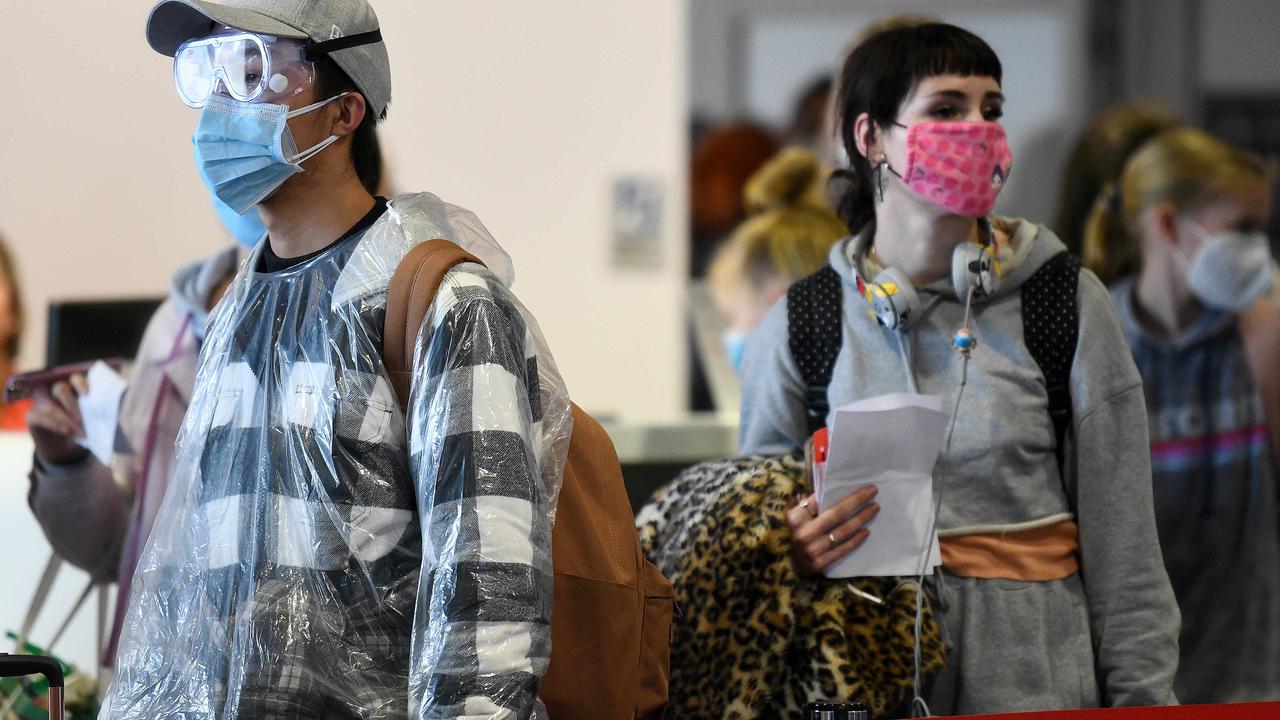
column 20, row 665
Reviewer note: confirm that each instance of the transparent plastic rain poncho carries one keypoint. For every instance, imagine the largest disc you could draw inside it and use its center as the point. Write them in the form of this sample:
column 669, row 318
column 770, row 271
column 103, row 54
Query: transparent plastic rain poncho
column 321, row 554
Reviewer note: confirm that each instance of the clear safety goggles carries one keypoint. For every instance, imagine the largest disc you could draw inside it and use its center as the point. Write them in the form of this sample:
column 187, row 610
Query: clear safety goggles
column 243, row 66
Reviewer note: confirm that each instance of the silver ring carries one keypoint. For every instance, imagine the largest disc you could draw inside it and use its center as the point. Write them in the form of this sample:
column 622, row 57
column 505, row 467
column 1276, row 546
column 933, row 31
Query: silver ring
column 804, row 504
column 831, row 537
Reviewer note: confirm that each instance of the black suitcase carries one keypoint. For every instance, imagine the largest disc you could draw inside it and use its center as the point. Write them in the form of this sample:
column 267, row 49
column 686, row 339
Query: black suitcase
column 20, row 665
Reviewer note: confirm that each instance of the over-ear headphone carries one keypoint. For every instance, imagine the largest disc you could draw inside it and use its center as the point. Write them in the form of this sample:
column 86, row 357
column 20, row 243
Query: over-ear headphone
column 892, row 296
column 974, row 267
column 894, row 299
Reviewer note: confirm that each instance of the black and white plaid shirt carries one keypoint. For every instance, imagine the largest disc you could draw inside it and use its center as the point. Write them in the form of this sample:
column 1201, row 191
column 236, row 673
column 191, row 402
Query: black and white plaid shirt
column 333, row 558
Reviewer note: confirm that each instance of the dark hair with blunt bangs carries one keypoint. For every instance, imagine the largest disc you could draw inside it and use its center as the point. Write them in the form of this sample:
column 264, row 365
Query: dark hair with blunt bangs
column 876, row 79
column 366, row 154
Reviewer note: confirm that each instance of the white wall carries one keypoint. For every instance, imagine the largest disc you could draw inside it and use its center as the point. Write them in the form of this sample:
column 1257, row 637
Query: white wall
column 751, row 57
column 524, row 112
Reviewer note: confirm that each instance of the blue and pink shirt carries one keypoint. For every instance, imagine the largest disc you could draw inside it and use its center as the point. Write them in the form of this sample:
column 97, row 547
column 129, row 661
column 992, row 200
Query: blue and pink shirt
column 1215, row 491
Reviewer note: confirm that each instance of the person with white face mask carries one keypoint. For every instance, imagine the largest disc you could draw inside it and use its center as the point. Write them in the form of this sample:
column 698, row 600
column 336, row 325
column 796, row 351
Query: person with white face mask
column 1200, row 315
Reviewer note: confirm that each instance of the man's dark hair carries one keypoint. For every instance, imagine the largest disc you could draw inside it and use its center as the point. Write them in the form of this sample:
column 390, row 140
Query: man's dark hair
column 879, row 75
column 366, row 154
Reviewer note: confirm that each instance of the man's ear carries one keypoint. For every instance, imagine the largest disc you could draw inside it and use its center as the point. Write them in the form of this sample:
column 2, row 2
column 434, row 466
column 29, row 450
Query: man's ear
column 867, row 136
column 351, row 109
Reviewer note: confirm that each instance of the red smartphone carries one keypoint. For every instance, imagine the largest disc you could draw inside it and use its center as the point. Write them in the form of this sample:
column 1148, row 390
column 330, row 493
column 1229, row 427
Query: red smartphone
column 25, row 385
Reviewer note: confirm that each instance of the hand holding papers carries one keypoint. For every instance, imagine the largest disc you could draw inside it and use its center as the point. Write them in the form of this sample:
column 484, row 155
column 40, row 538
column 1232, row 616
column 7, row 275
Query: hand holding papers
column 891, row 441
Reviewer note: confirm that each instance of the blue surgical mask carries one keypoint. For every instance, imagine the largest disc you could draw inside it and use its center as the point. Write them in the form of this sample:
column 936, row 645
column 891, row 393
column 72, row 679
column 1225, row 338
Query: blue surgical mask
column 735, row 346
column 247, row 229
column 245, row 151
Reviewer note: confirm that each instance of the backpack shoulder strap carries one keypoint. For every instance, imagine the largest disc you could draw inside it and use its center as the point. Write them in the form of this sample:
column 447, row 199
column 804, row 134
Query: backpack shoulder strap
column 813, row 335
column 1051, row 329
column 409, row 297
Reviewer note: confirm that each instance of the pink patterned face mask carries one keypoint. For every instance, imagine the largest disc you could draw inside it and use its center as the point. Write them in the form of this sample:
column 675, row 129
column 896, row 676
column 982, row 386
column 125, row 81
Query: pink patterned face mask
column 958, row 166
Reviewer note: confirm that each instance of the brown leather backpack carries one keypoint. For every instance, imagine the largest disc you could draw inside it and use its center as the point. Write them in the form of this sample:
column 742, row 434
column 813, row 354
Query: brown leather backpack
column 611, row 623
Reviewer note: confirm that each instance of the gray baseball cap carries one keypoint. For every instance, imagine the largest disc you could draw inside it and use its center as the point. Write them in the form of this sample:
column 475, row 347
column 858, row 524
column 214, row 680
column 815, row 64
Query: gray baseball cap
column 334, row 26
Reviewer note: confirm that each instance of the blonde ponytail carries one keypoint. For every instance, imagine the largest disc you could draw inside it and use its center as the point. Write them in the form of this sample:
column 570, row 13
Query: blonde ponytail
column 1184, row 167
column 1108, row 249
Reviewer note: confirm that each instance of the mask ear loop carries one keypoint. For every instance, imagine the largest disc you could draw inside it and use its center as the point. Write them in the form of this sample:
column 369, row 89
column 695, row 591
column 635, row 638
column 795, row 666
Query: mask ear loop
column 877, row 172
column 882, row 182
column 314, row 106
column 311, row 152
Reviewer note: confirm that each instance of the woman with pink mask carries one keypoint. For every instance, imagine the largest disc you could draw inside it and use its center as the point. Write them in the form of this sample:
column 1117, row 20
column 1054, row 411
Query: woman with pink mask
column 1051, row 591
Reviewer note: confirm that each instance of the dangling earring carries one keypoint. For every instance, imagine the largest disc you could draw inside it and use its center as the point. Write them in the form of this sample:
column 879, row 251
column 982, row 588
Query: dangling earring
column 880, row 180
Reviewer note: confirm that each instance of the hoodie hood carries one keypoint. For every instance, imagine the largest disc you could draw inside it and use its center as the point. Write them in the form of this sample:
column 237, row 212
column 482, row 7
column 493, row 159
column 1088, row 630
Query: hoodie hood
column 192, row 286
column 1028, row 248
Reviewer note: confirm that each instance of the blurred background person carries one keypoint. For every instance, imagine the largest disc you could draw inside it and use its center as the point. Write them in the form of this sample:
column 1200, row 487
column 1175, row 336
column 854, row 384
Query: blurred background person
column 98, row 517
column 725, row 157
column 13, row 416
column 1190, row 210
column 787, row 237
column 809, row 119
column 1094, row 164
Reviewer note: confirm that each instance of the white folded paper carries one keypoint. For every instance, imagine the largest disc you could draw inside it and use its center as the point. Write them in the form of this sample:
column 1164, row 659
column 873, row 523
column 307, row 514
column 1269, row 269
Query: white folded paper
column 893, row 442
column 100, row 410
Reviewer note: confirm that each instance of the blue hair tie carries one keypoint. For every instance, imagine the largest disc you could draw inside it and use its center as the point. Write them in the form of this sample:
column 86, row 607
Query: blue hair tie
column 1113, row 199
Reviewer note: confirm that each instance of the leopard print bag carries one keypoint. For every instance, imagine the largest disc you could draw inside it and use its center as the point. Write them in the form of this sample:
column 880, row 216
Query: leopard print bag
column 754, row 640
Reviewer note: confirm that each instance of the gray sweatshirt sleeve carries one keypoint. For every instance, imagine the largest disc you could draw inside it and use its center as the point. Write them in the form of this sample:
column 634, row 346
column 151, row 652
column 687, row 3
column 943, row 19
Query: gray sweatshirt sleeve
column 773, row 420
column 83, row 513
column 1132, row 610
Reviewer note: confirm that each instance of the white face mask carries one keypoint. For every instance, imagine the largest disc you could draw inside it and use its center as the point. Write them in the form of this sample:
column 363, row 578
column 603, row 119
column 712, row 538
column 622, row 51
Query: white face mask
column 1231, row 270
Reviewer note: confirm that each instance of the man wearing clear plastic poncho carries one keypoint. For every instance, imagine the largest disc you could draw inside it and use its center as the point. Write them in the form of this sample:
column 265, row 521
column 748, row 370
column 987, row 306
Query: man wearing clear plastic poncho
column 321, row 553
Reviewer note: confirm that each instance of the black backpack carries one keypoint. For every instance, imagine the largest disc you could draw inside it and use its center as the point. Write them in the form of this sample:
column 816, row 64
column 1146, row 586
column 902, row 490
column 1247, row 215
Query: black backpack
column 1050, row 324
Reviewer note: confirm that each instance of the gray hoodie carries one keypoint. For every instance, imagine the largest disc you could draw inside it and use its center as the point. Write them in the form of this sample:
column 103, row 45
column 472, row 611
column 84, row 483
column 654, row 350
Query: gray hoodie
column 1107, row 635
